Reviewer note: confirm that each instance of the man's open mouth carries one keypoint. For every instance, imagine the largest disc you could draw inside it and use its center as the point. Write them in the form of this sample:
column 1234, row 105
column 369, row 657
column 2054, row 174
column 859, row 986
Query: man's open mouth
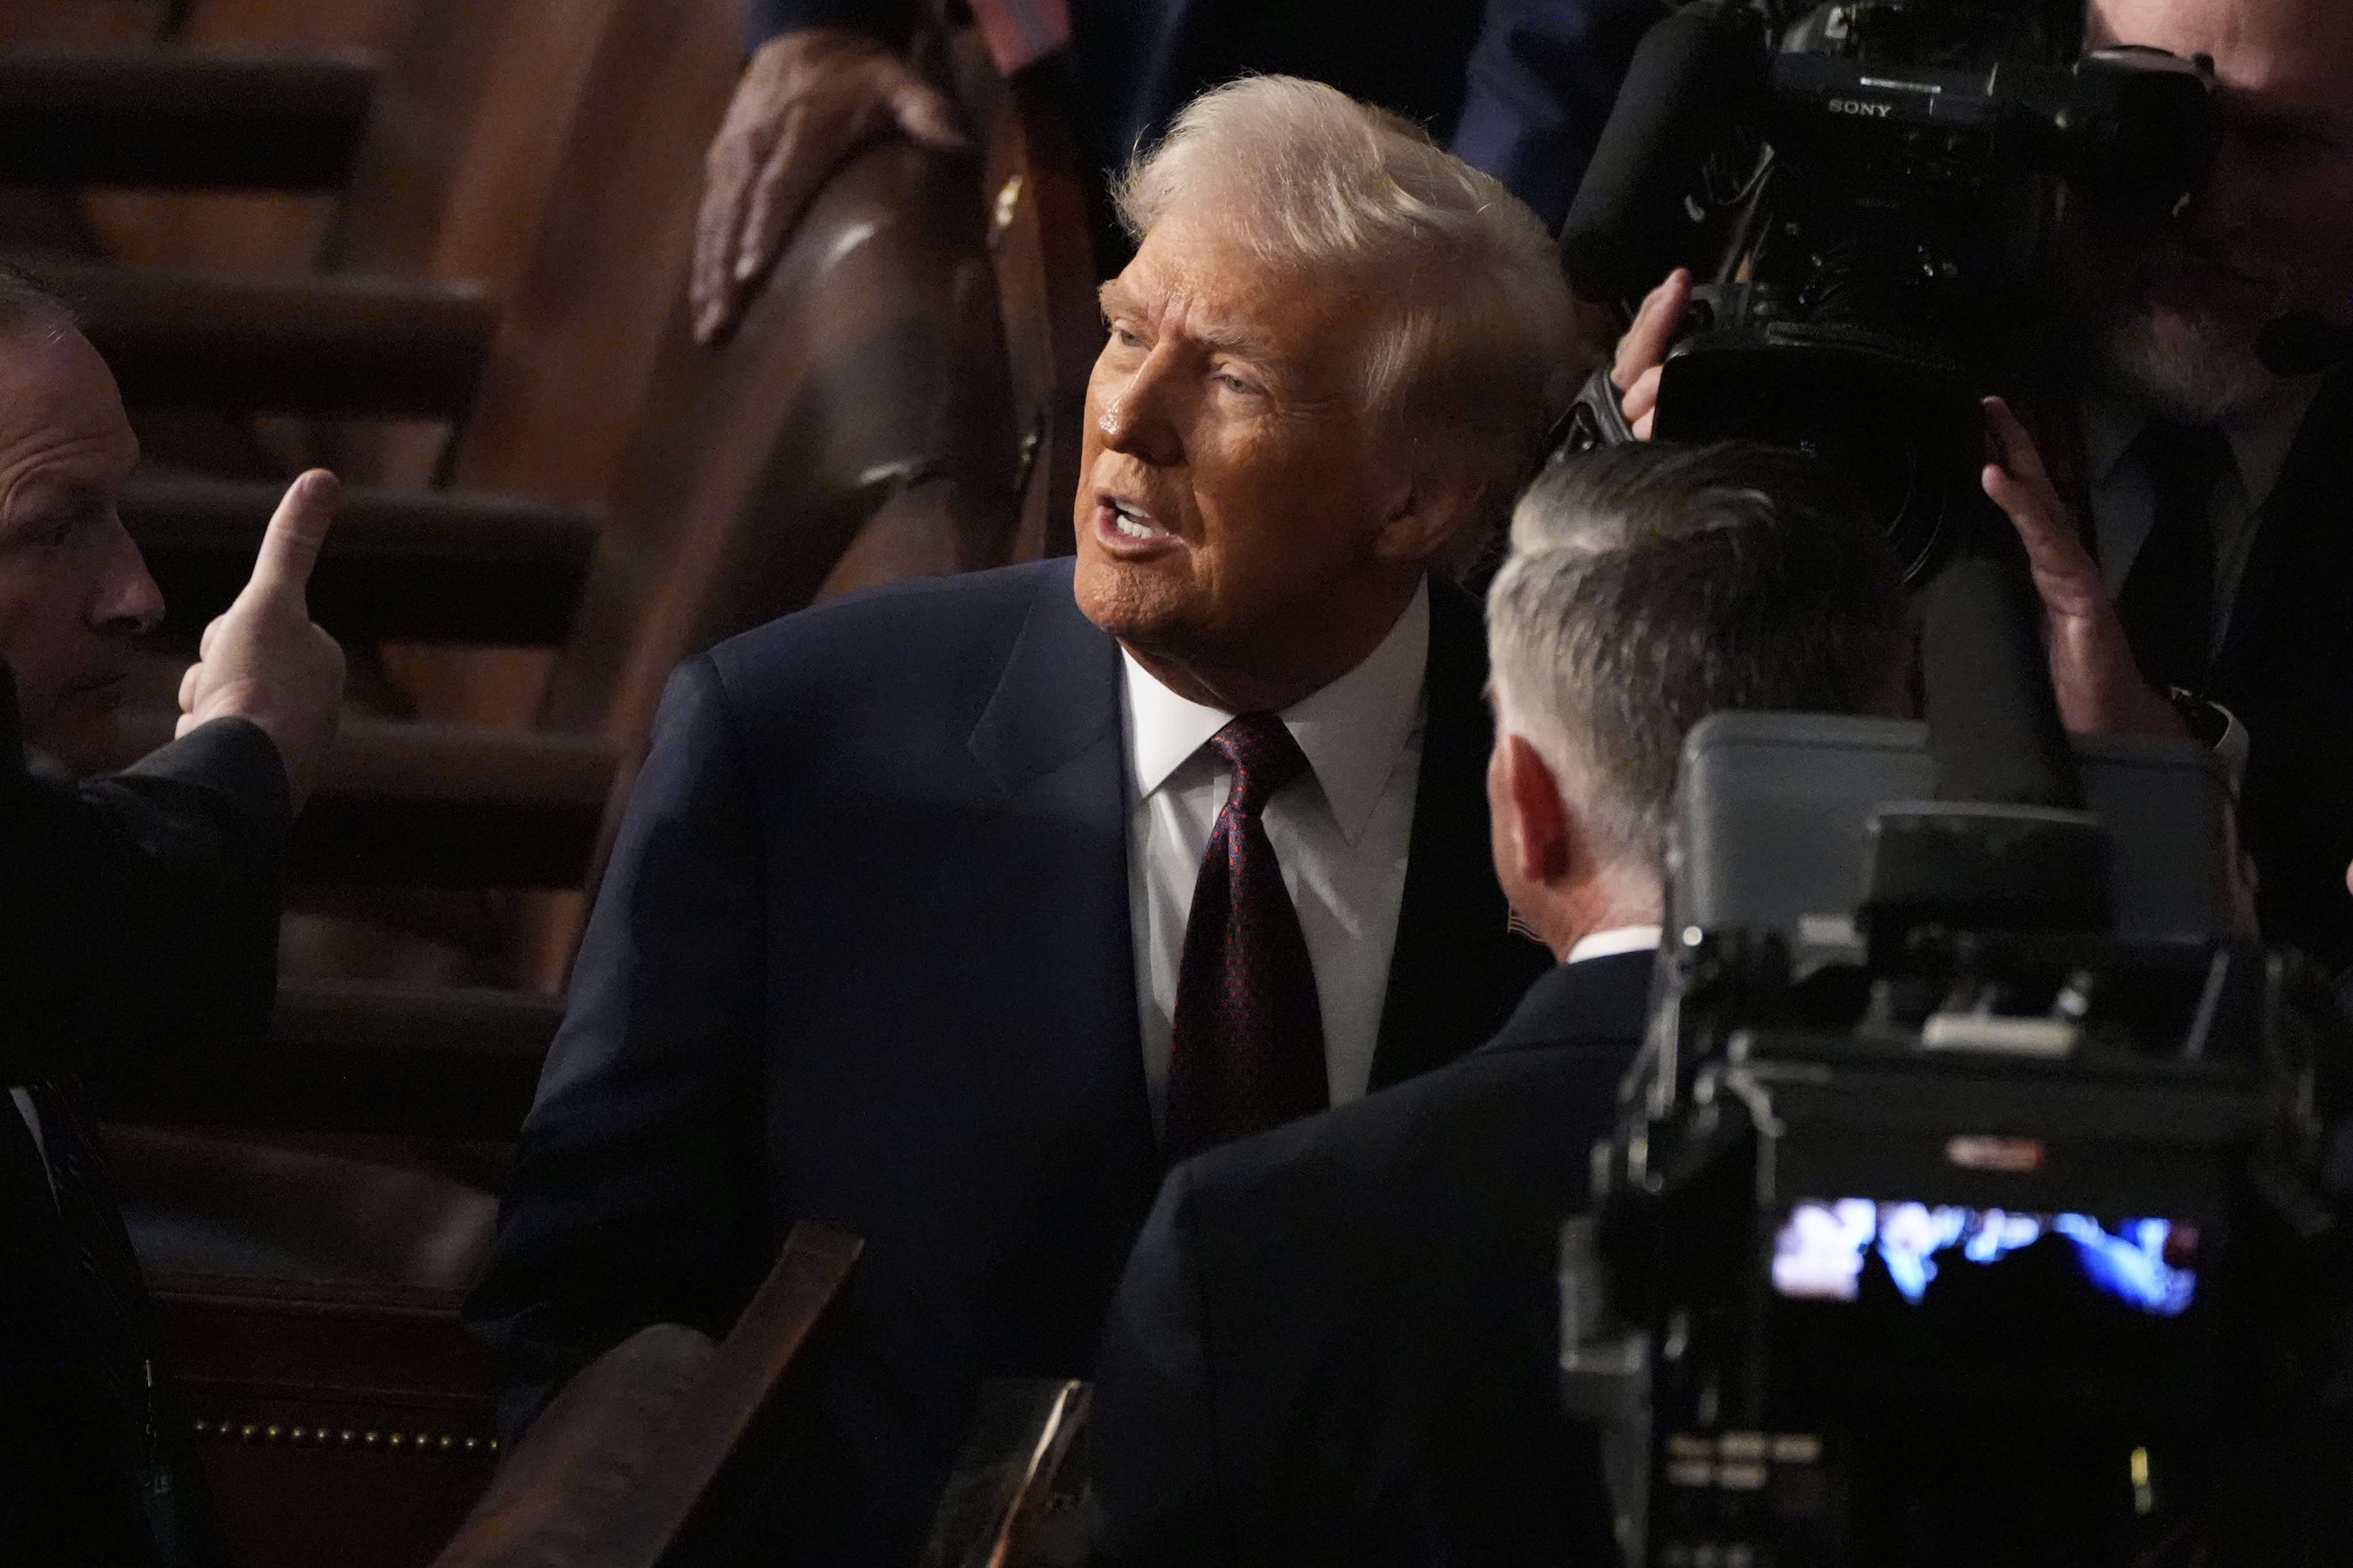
column 1135, row 522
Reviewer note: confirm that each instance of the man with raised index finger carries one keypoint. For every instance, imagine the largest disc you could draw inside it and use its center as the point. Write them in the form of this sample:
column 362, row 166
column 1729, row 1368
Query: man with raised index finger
column 950, row 914
column 137, row 913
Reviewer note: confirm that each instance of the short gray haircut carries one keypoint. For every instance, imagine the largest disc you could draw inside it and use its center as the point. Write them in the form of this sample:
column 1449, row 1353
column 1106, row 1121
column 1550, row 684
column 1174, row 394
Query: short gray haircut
column 1651, row 585
column 1477, row 357
column 29, row 307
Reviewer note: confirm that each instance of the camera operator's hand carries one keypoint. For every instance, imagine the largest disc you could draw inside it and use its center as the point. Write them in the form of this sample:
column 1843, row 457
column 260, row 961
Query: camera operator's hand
column 807, row 101
column 2098, row 682
column 263, row 659
column 1643, row 351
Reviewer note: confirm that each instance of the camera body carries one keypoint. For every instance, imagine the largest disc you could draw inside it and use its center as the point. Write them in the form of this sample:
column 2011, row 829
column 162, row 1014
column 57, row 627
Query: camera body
column 1875, row 187
column 1971, row 1171
column 1978, row 1194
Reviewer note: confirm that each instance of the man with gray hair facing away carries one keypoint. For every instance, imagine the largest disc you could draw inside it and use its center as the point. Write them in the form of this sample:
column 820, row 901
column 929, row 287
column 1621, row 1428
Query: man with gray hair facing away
column 1336, row 1342
column 951, row 914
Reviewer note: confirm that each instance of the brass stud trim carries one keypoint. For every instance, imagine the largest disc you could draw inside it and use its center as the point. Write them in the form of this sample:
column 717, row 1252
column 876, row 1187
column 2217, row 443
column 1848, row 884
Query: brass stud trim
column 305, row 1435
column 1008, row 202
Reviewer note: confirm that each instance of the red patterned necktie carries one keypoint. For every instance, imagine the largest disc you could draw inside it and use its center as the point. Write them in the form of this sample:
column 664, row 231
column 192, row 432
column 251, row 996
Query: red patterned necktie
column 1248, row 1046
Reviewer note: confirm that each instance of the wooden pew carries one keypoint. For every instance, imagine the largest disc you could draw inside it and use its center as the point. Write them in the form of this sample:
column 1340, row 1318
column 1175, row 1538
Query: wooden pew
column 873, row 419
column 632, row 1462
column 1017, row 1497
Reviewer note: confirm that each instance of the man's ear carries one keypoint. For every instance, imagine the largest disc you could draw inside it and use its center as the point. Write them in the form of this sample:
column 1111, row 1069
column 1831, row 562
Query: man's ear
column 1433, row 510
column 1543, row 839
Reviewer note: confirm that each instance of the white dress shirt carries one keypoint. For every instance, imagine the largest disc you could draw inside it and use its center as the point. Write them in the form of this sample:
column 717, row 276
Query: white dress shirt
column 2124, row 506
column 1612, row 943
column 1342, row 835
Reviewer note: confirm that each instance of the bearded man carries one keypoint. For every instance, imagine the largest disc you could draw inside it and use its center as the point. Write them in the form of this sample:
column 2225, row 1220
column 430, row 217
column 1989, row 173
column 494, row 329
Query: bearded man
column 2192, row 538
column 2218, row 495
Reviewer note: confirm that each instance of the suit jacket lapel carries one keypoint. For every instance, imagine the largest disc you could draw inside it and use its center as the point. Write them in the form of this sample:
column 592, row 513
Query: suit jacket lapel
column 1456, row 970
column 2283, row 670
column 2302, row 525
column 1050, row 739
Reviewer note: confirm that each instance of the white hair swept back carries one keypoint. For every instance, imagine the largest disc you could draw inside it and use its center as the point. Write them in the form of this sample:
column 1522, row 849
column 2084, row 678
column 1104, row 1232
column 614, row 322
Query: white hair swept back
column 1476, row 359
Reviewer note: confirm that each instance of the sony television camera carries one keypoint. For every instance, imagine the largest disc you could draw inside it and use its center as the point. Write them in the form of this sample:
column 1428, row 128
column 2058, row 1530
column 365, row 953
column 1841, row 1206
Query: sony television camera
column 1975, row 1197
column 1873, row 188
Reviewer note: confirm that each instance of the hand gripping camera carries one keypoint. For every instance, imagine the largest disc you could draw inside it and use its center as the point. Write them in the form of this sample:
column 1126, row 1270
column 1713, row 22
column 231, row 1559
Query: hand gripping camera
column 1978, row 1196
column 1875, row 186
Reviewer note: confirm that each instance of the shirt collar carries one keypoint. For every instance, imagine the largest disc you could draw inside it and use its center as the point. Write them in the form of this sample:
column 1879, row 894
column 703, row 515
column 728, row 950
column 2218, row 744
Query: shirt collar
column 1352, row 730
column 2259, row 435
column 1612, row 943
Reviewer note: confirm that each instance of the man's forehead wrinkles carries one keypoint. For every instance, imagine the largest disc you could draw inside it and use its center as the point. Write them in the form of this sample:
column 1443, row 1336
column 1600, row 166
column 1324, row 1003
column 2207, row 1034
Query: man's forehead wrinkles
column 1115, row 296
column 2259, row 45
column 39, row 462
column 1213, row 330
column 1182, row 309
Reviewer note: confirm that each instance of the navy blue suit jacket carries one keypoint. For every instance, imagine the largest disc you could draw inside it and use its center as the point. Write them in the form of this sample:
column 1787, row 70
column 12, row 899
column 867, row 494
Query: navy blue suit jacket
column 1520, row 87
column 2285, row 669
column 140, row 920
column 862, row 957
column 1337, row 1342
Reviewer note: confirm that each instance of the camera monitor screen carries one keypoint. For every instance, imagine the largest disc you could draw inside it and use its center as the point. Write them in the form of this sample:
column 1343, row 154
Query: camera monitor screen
column 1830, row 1250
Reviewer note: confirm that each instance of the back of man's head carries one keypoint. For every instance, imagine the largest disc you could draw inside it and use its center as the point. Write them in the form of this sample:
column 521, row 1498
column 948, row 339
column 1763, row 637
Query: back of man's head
column 1651, row 585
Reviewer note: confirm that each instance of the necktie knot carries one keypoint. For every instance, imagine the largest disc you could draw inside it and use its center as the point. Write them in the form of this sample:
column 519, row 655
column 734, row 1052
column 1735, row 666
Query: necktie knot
column 2184, row 461
column 1264, row 757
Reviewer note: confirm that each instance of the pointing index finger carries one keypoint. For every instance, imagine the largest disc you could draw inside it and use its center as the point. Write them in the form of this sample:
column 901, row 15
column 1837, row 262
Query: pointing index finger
column 296, row 530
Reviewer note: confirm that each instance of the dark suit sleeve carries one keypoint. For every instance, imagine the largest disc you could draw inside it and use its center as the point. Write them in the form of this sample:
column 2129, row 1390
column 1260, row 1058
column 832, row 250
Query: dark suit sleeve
column 1543, row 76
column 141, row 909
column 636, row 1193
column 1152, row 1435
column 890, row 20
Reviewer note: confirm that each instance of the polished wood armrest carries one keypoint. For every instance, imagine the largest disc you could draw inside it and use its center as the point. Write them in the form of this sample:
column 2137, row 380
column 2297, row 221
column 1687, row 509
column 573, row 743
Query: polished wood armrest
column 1016, row 1497
column 617, row 1467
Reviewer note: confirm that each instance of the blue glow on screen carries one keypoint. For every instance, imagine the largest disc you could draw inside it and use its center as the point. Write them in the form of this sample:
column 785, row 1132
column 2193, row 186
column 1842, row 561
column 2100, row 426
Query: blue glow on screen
column 1822, row 1251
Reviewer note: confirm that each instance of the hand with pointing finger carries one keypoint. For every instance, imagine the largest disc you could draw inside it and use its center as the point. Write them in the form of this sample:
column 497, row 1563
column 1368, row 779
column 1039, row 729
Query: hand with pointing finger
column 263, row 661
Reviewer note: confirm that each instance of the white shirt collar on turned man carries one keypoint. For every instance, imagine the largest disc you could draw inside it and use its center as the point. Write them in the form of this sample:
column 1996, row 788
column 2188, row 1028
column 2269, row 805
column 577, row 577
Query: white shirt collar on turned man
column 1612, row 943
column 1352, row 730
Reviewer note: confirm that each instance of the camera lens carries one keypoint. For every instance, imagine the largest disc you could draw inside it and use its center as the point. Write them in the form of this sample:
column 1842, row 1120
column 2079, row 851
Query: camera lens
column 1897, row 419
